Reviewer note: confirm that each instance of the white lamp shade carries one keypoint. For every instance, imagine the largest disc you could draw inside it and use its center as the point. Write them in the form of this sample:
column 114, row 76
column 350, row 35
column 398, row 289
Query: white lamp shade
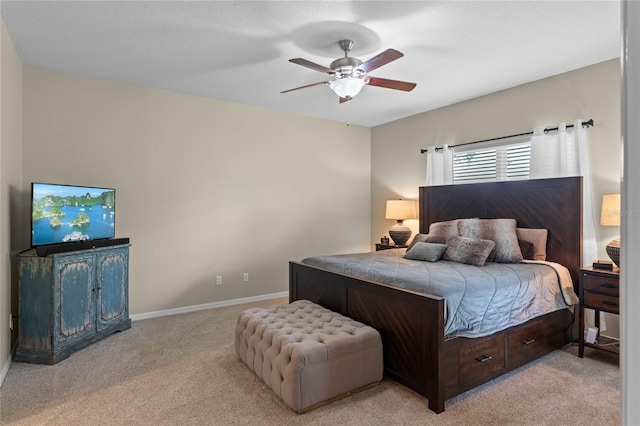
column 347, row 87
column 400, row 209
column 610, row 215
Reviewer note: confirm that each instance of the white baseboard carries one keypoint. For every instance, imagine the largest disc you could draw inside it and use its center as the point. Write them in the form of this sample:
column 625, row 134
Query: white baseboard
column 5, row 370
column 193, row 308
column 610, row 337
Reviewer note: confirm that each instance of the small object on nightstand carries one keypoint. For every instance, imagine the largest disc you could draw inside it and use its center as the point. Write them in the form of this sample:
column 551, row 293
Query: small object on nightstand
column 384, row 241
column 603, row 264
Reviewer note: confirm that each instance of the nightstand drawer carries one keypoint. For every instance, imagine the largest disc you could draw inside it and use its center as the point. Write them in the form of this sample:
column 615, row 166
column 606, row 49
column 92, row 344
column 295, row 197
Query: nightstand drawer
column 601, row 301
column 607, row 285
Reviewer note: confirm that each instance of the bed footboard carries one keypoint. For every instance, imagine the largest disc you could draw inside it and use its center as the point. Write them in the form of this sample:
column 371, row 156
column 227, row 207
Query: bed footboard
column 413, row 356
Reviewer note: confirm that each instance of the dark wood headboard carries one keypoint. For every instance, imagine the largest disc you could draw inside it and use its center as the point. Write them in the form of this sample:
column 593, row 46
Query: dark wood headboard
column 553, row 204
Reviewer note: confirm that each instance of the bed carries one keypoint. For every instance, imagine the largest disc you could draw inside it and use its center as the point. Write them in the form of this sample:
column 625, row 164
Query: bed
column 418, row 352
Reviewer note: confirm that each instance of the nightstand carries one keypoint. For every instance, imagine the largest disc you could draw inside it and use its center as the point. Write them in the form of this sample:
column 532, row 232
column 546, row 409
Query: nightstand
column 599, row 290
column 389, row 246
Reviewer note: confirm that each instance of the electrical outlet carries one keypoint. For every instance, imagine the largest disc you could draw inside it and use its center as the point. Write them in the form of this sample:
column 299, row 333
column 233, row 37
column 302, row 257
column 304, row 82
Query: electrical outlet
column 245, row 277
column 218, row 279
column 10, row 322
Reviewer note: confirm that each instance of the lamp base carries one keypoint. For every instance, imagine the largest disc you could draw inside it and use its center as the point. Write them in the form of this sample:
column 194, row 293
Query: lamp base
column 400, row 233
column 613, row 250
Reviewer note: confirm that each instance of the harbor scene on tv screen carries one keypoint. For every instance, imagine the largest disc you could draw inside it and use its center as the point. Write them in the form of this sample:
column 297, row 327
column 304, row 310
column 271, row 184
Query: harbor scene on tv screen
column 64, row 213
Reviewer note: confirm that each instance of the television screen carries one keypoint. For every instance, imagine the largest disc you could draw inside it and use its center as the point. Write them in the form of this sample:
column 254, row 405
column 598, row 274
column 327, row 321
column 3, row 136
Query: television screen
column 65, row 213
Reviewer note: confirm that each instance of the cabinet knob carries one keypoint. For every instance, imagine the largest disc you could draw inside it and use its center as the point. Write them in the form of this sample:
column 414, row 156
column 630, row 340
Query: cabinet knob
column 528, row 341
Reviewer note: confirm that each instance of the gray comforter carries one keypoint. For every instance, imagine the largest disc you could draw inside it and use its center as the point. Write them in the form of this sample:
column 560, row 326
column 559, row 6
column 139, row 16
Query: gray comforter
column 478, row 300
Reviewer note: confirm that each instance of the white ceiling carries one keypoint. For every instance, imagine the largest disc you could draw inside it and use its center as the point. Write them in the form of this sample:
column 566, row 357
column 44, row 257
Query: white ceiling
column 239, row 50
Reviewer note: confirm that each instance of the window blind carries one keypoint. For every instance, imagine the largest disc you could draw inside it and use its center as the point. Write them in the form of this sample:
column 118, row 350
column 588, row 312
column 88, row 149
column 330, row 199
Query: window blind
column 500, row 159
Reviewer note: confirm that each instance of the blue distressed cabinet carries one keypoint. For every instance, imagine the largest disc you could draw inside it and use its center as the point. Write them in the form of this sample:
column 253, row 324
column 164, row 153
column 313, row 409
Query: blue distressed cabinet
column 70, row 300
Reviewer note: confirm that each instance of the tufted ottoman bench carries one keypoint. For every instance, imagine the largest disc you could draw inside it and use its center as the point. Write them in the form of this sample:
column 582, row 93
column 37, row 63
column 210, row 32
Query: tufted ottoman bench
column 307, row 354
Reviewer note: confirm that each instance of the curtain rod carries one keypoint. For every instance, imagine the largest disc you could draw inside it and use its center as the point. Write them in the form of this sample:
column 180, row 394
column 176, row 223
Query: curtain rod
column 587, row 124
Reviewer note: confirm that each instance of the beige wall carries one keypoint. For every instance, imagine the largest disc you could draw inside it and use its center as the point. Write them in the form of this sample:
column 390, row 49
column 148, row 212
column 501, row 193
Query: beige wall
column 204, row 187
column 10, row 185
column 210, row 188
column 398, row 168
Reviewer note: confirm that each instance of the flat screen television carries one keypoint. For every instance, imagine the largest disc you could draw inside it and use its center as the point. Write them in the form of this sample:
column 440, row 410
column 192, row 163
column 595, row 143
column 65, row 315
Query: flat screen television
column 71, row 214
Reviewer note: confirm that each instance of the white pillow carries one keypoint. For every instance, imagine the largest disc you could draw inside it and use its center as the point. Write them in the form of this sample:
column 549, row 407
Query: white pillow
column 537, row 237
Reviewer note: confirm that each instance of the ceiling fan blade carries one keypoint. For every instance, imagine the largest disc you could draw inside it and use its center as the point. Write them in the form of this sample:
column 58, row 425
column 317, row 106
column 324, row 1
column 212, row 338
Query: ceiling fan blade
column 312, row 65
column 380, row 60
column 304, row 87
column 391, row 84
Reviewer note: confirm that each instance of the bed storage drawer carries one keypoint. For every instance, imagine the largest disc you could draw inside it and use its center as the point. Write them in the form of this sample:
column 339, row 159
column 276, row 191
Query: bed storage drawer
column 526, row 343
column 481, row 359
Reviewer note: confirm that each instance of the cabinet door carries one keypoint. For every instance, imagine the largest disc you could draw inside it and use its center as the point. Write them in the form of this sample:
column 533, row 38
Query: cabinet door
column 74, row 298
column 112, row 277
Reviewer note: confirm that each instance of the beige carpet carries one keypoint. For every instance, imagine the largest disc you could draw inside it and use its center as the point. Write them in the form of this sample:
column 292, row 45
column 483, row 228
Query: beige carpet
column 182, row 370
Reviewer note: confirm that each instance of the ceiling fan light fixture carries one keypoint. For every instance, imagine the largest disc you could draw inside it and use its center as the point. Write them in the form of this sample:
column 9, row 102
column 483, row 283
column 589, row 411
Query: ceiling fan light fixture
column 347, row 87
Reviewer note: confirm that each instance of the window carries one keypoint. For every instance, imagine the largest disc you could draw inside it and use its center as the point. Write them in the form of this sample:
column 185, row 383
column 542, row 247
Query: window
column 498, row 159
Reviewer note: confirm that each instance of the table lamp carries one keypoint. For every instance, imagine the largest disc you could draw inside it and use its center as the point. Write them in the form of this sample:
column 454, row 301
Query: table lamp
column 400, row 210
column 610, row 216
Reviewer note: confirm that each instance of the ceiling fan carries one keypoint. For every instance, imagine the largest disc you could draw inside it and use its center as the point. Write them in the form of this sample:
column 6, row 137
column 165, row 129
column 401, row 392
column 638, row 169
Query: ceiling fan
column 351, row 74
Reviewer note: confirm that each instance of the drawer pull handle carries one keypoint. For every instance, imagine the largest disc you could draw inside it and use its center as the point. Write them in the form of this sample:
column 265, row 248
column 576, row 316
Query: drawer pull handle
column 609, row 285
column 528, row 341
column 606, row 302
column 483, row 358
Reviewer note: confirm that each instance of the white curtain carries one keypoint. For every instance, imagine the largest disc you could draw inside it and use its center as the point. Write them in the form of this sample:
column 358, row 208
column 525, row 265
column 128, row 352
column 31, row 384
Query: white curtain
column 564, row 153
column 439, row 166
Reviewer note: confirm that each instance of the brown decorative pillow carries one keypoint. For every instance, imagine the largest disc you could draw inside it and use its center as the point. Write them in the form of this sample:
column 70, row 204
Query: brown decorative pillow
column 431, row 252
column 468, row 250
column 526, row 248
column 426, row 238
column 501, row 231
column 538, row 237
column 444, row 229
